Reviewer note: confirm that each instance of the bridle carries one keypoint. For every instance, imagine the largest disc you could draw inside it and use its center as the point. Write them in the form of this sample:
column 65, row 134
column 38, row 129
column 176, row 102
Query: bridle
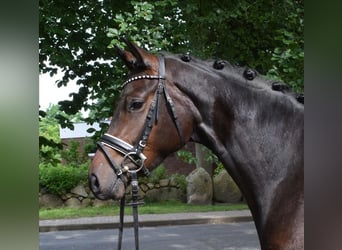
column 135, row 153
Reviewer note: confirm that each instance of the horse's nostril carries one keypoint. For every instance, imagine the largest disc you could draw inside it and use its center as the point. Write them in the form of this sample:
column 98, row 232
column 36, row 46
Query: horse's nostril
column 94, row 183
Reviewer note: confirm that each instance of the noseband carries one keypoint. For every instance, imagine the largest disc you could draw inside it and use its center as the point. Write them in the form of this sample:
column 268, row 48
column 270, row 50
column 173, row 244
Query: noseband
column 135, row 153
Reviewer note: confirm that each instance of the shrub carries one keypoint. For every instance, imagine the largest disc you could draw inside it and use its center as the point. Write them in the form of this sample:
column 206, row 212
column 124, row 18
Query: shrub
column 181, row 181
column 60, row 179
column 158, row 174
column 218, row 169
column 72, row 156
column 186, row 156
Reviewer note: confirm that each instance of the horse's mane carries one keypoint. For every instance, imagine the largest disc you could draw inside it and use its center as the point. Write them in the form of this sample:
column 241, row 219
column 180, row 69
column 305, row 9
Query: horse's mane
column 228, row 69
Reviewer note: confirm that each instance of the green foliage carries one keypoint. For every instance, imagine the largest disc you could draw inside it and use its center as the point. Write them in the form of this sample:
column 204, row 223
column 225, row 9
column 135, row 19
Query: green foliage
column 212, row 158
column 288, row 55
column 49, row 151
column 164, row 207
column 218, row 169
column 265, row 35
column 88, row 147
column 158, row 174
column 61, row 179
column 50, row 145
column 151, row 25
column 186, row 156
column 77, row 36
column 209, row 157
column 72, row 156
column 49, row 141
column 180, row 180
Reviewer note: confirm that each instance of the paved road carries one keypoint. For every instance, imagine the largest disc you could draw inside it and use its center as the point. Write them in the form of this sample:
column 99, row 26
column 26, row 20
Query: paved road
column 239, row 236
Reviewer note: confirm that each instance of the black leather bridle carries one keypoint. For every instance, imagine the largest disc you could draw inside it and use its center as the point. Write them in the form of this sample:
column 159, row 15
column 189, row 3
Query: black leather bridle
column 135, row 153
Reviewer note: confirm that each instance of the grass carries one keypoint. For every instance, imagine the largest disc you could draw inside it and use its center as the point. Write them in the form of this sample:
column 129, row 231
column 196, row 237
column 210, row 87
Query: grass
column 148, row 208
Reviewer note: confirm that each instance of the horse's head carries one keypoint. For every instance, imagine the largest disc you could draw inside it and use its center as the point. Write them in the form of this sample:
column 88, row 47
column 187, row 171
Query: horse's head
column 150, row 122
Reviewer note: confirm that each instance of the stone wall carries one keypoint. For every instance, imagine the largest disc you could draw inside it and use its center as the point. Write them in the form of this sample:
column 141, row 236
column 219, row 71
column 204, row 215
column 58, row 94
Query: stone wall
column 81, row 196
column 201, row 189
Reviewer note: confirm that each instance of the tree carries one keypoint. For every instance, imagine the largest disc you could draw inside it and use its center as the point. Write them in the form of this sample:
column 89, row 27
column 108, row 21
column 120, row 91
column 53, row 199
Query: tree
column 51, row 150
column 76, row 37
column 49, row 134
column 265, row 35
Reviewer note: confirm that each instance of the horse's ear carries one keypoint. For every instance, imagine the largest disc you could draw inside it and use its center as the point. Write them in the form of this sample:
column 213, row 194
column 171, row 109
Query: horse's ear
column 135, row 59
column 127, row 57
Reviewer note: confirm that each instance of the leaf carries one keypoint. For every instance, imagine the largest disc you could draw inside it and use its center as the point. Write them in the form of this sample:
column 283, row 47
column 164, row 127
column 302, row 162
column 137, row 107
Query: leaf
column 148, row 17
column 91, row 130
column 42, row 113
column 119, row 18
column 112, row 32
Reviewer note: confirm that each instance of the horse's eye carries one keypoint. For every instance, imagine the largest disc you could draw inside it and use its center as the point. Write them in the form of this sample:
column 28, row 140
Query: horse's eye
column 135, row 105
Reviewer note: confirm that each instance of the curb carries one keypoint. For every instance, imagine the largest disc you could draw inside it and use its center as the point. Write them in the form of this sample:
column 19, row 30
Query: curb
column 112, row 222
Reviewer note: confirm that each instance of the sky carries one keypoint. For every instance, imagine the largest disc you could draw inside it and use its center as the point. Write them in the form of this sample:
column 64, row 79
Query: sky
column 49, row 93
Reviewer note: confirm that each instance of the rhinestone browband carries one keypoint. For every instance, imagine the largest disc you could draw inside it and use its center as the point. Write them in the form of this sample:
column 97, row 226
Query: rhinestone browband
column 141, row 77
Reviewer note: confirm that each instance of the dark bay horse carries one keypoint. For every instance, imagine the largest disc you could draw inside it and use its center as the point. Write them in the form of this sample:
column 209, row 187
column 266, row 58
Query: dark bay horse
column 254, row 126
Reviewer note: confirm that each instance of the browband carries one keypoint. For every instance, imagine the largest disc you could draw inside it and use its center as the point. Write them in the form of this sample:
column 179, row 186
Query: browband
column 151, row 77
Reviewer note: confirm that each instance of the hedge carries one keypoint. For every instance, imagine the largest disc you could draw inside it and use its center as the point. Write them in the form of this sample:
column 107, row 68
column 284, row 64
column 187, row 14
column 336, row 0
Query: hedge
column 62, row 178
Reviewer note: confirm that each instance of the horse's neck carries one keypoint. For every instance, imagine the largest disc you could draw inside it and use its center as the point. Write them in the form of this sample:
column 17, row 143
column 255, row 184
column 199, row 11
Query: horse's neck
column 263, row 152
column 259, row 139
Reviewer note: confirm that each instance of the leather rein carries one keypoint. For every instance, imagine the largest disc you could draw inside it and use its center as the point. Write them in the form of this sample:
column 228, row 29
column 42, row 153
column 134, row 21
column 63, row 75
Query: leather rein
column 135, row 154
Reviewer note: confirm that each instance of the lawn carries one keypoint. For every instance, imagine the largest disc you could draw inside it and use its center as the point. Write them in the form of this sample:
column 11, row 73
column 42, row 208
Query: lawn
column 148, row 208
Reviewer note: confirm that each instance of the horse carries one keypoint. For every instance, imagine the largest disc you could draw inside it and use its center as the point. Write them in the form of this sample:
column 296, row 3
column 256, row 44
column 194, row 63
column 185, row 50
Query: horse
column 255, row 127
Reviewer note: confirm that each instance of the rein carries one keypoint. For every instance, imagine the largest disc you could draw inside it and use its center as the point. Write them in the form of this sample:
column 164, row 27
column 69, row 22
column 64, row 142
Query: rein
column 135, row 153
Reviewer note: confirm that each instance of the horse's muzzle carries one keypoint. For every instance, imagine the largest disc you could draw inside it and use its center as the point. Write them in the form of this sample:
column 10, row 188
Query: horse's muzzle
column 94, row 184
column 104, row 183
